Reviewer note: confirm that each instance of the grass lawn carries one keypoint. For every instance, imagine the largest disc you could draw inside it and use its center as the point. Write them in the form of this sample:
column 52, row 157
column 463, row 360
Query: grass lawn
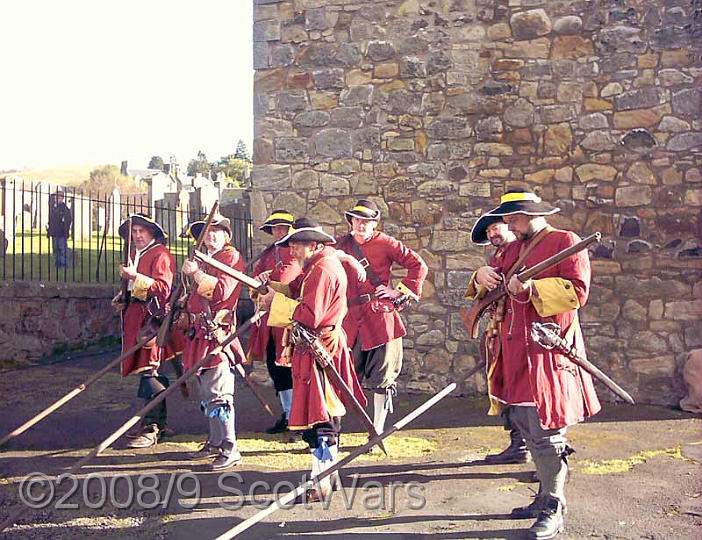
column 31, row 258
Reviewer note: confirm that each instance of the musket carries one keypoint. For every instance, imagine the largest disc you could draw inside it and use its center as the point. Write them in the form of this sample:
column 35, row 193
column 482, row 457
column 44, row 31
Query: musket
column 283, row 501
column 321, row 355
column 548, row 336
column 176, row 294
column 155, row 402
column 470, row 317
column 124, row 290
column 250, row 265
column 239, row 276
column 254, row 284
column 77, row 390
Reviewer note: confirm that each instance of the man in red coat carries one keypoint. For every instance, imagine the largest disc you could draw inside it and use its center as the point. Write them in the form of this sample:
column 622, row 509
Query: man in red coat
column 373, row 325
column 545, row 391
column 212, row 316
column 150, row 274
column 491, row 230
column 264, row 341
column 316, row 299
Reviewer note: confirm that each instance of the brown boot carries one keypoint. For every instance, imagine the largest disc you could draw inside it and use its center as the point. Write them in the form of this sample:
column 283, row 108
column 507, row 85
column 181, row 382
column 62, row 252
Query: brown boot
column 516, row 452
column 148, row 436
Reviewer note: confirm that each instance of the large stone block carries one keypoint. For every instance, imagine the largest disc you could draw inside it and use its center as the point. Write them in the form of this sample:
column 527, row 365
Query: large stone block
column 449, row 128
column 519, row 114
column 268, row 30
column 687, row 102
column 530, row 24
column 621, row 39
column 637, row 99
column 332, row 142
column 685, row 141
column 633, row 196
column 330, row 55
column 291, row 150
column 331, row 78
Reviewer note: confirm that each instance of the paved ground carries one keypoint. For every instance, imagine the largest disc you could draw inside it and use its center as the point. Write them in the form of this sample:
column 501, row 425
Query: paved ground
column 635, row 473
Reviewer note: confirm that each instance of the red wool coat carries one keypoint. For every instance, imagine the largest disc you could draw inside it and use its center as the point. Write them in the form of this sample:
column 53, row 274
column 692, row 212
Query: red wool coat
column 381, row 251
column 321, row 307
column 525, row 372
column 158, row 264
column 283, row 267
column 223, row 295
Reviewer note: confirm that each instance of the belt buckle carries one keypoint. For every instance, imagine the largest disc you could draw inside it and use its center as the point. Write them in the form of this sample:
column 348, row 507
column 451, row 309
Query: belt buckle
column 364, row 262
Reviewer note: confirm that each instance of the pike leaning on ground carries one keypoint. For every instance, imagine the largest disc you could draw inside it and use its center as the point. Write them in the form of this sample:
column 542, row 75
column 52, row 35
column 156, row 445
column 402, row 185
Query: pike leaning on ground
column 373, row 325
column 210, row 316
column 491, row 230
column 316, row 299
column 266, row 342
column 149, row 274
column 545, row 391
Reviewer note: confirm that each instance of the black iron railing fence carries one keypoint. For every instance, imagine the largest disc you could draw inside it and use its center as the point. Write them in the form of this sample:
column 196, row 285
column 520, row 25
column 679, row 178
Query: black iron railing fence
column 94, row 247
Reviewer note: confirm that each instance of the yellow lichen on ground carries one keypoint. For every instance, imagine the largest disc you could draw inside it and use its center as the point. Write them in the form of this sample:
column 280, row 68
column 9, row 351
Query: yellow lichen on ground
column 614, row 466
column 512, row 487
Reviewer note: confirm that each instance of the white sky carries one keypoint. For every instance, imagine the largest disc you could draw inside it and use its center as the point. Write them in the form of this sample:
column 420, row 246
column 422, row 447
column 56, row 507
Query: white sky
column 90, row 81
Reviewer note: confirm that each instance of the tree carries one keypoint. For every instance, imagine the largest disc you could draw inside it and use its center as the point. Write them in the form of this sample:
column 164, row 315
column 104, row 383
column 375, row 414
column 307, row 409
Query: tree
column 241, row 151
column 199, row 165
column 105, row 178
column 156, row 162
column 235, row 169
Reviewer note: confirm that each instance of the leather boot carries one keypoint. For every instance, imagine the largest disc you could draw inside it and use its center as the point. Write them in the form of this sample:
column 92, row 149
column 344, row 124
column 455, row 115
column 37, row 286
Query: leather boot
column 516, row 452
column 549, row 523
column 281, row 426
column 148, row 436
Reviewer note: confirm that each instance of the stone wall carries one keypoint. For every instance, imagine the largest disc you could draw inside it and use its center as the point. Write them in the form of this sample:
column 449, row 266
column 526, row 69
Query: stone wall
column 38, row 319
column 434, row 108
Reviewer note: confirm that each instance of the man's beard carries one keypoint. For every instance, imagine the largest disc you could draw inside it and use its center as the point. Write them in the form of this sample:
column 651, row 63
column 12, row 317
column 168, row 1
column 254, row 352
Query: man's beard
column 497, row 241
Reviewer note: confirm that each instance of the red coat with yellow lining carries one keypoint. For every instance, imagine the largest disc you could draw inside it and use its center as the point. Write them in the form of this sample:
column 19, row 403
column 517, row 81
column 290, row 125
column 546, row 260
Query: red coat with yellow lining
column 154, row 280
column 317, row 300
column 220, row 292
column 377, row 328
column 525, row 372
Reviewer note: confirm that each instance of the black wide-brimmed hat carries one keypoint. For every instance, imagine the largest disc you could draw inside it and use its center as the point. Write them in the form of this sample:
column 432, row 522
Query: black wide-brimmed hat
column 142, row 219
column 512, row 202
column 364, row 209
column 479, row 233
column 220, row 221
column 278, row 217
column 306, row 230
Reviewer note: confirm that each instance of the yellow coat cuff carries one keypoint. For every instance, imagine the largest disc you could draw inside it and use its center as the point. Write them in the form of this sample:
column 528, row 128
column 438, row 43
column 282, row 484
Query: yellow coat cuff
column 281, row 310
column 206, row 286
column 405, row 290
column 474, row 290
column 554, row 295
column 142, row 284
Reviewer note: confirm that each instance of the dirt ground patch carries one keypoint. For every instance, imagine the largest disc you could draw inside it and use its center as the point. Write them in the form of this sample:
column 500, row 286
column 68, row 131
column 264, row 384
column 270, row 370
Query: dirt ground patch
column 635, row 474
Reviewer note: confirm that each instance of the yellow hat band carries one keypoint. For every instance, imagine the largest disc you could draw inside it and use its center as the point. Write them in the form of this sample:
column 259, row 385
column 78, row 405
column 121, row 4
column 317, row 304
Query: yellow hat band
column 364, row 209
column 519, row 197
column 281, row 215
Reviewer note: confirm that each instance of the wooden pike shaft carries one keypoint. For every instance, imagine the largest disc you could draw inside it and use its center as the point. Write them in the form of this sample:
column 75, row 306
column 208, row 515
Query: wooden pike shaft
column 141, row 413
column 291, row 496
column 73, row 393
column 214, row 263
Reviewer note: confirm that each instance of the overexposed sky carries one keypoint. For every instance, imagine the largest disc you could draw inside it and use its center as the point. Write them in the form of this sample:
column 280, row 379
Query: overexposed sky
column 90, row 81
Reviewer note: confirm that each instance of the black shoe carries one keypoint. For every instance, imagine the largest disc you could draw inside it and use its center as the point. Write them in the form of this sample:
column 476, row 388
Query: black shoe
column 281, row 426
column 529, row 511
column 549, row 523
column 228, row 457
column 516, row 452
column 207, row 451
